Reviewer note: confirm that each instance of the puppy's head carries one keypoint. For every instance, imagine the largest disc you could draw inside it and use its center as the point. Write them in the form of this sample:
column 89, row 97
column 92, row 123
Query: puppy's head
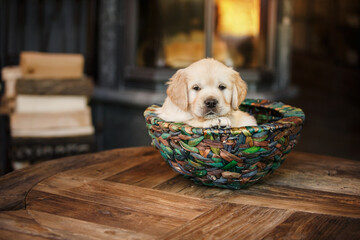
column 207, row 88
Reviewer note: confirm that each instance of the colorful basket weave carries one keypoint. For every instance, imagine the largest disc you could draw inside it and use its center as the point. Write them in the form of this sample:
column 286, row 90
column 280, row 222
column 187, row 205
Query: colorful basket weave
column 229, row 158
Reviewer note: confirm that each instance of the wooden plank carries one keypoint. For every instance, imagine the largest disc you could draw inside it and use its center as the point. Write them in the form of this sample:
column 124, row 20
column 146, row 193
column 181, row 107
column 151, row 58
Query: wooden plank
column 315, row 181
column 50, row 103
column 124, row 196
column 37, row 65
column 231, row 221
column 136, row 216
column 19, row 224
column 318, row 172
column 53, row 132
column 266, row 195
column 183, row 186
column 148, row 174
column 109, row 168
column 10, row 75
column 15, row 185
column 81, row 86
column 315, row 226
column 38, row 121
column 6, row 235
column 84, row 229
column 322, row 165
column 100, row 214
column 299, row 199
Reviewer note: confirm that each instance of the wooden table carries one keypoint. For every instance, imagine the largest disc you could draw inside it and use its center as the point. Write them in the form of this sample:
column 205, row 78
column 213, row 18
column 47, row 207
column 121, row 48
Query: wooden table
column 132, row 194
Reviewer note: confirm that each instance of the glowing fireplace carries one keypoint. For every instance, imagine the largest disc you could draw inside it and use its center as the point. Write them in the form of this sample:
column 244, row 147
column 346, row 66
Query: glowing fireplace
column 252, row 36
column 239, row 27
column 235, row 39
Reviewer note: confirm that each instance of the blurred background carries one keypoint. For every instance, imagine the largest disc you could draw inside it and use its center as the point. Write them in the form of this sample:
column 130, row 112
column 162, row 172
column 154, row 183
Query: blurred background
column 305, row 53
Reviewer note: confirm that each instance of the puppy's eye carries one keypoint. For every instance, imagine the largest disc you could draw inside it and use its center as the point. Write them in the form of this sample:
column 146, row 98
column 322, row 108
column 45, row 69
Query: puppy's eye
column 222, row 87
column 196, row 88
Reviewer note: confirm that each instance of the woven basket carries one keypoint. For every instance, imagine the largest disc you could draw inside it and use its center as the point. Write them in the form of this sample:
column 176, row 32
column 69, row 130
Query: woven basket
column 229, row 158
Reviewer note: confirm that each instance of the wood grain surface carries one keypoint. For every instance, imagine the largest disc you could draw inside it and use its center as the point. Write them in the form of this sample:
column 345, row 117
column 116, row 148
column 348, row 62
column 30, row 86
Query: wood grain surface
column 131, row 193
column 41, row 65
column 81, row 86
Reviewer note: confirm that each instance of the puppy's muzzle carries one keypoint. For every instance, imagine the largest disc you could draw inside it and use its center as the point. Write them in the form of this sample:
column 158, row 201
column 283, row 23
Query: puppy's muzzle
column 211, row 103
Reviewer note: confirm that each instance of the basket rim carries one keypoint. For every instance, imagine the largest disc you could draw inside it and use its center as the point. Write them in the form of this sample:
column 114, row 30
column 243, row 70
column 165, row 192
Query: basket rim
column 291, row 117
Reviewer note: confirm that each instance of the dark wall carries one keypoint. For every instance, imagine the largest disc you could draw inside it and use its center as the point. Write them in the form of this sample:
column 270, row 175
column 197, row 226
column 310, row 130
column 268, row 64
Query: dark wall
column 67, row 26
column 90, row 27
column 119, row 125
column 328, row 30
column 325, row 66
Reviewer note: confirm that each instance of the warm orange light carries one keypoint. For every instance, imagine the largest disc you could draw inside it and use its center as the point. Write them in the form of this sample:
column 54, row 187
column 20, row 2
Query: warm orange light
column 238, row 17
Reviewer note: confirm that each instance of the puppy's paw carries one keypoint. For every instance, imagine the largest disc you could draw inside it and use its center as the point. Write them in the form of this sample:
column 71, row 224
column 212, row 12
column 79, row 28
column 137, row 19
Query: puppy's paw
column 224, row 122
column 221, row 122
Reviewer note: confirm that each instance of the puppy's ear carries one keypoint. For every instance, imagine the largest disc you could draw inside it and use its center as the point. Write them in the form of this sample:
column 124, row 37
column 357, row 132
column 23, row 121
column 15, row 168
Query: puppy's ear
column 177, row 90
column 239, row 91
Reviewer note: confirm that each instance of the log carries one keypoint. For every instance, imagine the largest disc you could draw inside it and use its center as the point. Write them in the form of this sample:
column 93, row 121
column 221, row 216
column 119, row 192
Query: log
column 81, row 86
column 37, row 121
column 36, row 65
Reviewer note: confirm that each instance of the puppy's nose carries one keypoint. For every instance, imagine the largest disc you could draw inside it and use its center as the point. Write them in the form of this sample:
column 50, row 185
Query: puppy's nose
column 210, row 103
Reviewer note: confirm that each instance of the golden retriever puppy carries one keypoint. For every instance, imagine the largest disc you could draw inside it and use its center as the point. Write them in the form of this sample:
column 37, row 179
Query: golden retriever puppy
column 206, row 94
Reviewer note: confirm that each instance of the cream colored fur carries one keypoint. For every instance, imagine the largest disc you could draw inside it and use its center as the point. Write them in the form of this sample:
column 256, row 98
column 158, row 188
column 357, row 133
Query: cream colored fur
column 205, row 80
